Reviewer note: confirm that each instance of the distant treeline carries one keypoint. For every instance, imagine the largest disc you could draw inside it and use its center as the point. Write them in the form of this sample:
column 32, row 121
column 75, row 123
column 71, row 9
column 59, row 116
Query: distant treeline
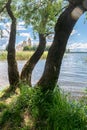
column 34, row 48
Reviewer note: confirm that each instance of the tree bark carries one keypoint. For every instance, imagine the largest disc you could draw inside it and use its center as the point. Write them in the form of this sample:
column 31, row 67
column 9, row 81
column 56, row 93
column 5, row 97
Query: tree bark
column 13, row 73
column 63, row 28
column 29, row 66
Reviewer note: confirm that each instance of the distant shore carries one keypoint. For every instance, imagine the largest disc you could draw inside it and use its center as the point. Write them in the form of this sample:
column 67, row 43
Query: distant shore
column 21, row 55
column 74, row 51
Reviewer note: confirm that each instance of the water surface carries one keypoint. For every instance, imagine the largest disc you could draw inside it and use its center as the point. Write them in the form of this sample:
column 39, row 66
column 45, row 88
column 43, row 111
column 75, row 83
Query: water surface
column 73, row 75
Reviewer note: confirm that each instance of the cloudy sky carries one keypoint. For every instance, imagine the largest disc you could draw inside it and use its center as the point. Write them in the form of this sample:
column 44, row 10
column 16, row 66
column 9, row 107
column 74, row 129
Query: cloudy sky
column 78, row 38
column 76, row 42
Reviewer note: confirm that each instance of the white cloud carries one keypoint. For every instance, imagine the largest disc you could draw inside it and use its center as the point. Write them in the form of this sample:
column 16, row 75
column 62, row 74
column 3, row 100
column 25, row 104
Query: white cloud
column 3, row 43
column 25, row 34
column 1, row 24
column 7, row 25
column 6, row 28
column 5, row 33
column 21, row 28
column 21, row 23
column 78, row 46
column 78, row 34
column 73, row 32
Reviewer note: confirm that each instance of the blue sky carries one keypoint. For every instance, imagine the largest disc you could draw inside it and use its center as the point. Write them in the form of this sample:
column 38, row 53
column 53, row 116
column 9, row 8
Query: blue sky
column 80, row 28
column 77, row 40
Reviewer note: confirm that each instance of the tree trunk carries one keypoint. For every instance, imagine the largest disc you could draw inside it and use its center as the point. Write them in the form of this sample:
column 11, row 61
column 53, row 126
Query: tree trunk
column 13, row 74
column 29, row 66
column 63, row 28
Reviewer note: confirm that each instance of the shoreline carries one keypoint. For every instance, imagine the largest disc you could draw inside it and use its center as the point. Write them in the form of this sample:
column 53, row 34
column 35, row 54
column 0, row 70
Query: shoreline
column 25, row 55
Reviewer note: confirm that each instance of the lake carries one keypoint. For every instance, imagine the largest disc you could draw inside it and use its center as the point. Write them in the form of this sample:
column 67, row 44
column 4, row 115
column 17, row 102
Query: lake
column 73, row 75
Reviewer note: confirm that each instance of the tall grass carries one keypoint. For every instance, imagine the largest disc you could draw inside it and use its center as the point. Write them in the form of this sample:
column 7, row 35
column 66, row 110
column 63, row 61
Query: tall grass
column 21, row 55
column 56, row 113
column 3, row 55
column 46, row 111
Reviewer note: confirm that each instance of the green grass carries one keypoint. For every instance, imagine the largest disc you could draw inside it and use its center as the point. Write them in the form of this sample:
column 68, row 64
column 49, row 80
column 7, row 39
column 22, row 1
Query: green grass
column 44, row 111
column 3, row 55
column 21, row 55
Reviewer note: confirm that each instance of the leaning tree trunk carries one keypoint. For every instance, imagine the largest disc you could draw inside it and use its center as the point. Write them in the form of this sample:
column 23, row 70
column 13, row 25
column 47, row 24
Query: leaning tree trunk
column 29, row 66
column 13, row 74
column 63, row 28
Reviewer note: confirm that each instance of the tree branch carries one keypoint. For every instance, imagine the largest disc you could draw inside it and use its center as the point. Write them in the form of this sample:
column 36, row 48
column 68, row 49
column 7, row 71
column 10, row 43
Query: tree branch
column 10, row 13
column 2, row 9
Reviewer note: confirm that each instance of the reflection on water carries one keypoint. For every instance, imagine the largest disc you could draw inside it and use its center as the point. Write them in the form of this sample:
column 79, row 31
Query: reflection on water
column 72, row 77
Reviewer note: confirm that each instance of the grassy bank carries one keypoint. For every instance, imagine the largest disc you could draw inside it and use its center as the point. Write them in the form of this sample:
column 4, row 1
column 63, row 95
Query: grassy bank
column 34, row 110
column 21, row 55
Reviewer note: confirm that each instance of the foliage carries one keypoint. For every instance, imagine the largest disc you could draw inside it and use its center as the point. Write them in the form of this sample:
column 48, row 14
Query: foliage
column 47, row 111
column 29, row 48
column 33, row 48
column 40, row 14
column 2, row 106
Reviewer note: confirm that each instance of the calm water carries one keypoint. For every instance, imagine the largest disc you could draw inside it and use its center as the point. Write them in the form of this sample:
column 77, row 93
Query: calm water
column 73, row 76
